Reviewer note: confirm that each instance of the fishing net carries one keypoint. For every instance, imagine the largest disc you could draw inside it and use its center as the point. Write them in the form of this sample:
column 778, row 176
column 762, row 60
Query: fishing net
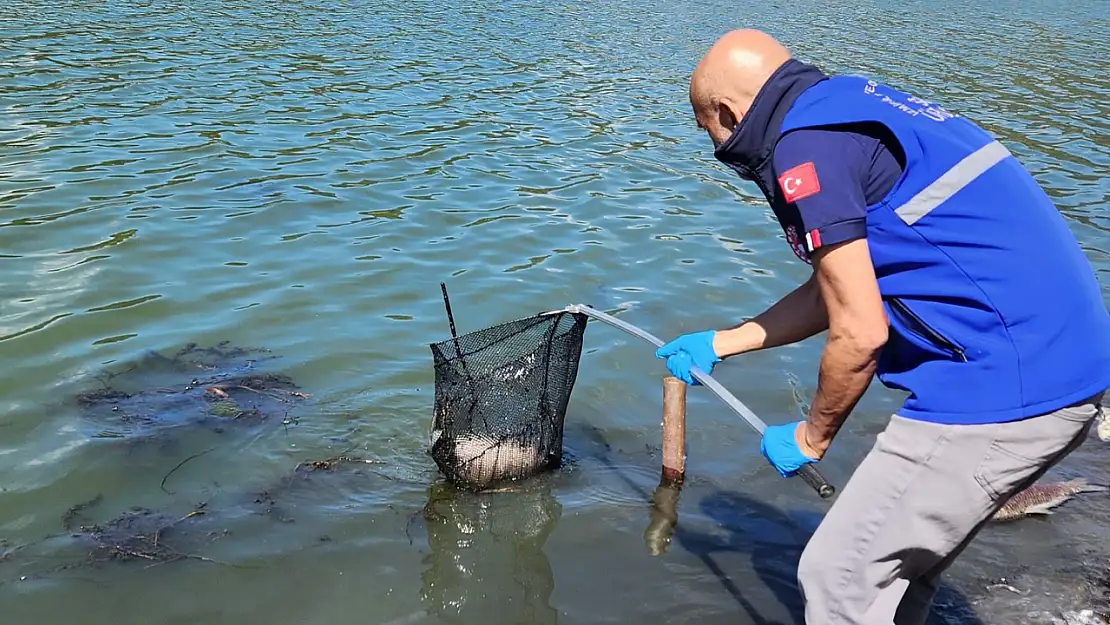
column 501, row 396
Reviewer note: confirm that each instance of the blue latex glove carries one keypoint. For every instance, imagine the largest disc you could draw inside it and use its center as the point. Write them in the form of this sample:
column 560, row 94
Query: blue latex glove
column 780, row 448
column 690, row 349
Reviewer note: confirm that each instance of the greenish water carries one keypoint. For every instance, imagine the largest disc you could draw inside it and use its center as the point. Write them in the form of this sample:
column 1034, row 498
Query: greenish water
column 301, row 176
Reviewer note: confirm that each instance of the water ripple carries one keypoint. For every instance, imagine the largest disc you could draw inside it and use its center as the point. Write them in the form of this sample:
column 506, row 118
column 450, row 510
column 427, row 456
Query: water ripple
column 302, row 175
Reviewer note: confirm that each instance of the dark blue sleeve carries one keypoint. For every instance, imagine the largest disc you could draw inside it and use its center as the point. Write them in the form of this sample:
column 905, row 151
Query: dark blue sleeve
column 824, row 174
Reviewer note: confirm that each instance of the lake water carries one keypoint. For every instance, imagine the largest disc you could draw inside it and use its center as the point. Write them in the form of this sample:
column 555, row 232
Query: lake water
column 301, row 176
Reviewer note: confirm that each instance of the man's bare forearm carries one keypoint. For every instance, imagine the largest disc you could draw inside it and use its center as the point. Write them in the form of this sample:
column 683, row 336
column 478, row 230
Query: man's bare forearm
column 844, row 375
column 796, row 317
column 857, row 333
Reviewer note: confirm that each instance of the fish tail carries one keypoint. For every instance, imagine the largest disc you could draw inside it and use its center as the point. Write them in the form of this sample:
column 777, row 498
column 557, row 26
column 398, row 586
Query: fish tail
column 1080, row 485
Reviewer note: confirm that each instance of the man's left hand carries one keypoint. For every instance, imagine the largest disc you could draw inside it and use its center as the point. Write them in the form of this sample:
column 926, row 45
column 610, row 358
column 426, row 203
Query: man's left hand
column 785, row 447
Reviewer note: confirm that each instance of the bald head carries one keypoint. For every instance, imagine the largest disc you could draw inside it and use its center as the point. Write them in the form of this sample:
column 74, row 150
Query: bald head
column 729, row 76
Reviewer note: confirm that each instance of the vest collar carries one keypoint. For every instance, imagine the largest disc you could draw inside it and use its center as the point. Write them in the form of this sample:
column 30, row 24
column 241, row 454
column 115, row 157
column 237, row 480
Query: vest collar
column 748, row 150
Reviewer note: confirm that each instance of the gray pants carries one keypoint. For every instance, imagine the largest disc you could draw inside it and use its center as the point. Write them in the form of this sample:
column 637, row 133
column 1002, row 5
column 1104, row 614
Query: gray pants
column 915, row 502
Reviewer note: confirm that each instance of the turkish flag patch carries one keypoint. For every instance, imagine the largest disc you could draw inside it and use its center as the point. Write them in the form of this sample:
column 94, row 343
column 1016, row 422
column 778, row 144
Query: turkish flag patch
column 799, row 182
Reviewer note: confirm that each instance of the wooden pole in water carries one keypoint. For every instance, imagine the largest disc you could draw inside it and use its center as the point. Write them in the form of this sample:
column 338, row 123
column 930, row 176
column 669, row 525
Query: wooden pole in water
column 674, row 429
column 664, row 504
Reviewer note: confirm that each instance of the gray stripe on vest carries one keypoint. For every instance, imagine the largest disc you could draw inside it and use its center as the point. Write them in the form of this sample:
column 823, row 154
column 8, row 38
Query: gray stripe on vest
column 962, row 174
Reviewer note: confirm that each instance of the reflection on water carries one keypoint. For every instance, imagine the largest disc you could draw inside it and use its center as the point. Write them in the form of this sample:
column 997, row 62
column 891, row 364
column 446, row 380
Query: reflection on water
column 487, row 554
column 748, row 547
column 664, row 517
column 755, row 529
column 302, row 176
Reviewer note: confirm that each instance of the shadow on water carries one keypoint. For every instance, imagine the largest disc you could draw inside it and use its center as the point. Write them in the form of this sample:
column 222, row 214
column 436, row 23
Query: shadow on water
column 486, row 554
column 154, row 397
column 773, row 539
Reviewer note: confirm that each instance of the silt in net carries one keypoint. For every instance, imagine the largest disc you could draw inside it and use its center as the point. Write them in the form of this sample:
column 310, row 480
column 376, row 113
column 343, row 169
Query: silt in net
column 501, row 396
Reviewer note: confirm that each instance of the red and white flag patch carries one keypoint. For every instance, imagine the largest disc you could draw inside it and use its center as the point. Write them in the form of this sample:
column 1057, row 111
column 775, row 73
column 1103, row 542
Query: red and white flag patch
column 813, row 240
column 799, row 182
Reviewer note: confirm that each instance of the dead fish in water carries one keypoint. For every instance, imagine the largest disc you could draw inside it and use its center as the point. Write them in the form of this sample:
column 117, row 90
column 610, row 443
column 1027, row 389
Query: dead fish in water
column 1041, row 498
column 481, row 463
column 484, row 464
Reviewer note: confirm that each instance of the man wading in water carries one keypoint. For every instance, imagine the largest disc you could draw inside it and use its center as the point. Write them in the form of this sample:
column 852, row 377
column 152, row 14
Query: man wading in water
column 938, row 265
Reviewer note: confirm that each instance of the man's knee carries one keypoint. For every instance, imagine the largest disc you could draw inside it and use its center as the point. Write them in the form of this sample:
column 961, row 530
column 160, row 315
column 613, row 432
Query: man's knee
column 815, row 579
column 812, row 572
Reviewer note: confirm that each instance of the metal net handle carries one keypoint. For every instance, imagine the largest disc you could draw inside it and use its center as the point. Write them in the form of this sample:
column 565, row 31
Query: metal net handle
column 808, row 472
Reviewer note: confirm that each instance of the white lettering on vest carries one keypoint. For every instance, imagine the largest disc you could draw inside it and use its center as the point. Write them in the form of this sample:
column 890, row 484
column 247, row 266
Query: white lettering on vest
column 921, row 106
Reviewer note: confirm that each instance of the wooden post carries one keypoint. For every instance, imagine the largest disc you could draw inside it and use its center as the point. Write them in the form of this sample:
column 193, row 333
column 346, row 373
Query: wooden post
column 674, row 429
column 664, row 501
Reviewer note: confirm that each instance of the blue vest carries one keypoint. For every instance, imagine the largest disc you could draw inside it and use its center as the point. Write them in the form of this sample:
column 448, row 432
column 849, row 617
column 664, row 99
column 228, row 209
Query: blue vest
column 995, row 313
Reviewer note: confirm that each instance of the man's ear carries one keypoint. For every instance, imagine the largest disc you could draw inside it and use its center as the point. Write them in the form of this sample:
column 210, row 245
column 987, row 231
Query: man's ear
column 728, row 114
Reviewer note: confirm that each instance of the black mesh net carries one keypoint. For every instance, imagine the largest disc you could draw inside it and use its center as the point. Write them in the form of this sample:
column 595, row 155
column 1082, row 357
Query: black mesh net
column 501, row 396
